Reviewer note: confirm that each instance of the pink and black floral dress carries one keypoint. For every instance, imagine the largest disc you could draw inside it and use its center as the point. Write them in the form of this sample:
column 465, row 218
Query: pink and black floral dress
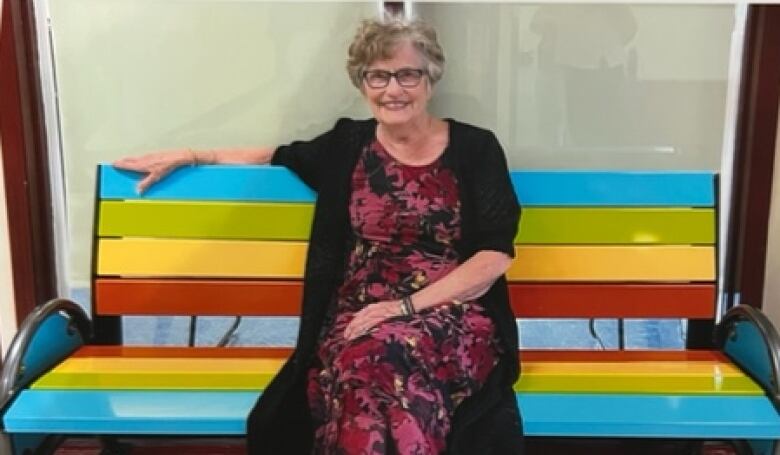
column 394, row 389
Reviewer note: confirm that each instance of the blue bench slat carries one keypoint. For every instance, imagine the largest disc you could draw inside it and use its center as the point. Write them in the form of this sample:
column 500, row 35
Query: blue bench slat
column 649, row 416
column 129, row 412
column 534, row 188
column 637, row 188
column 210, row 183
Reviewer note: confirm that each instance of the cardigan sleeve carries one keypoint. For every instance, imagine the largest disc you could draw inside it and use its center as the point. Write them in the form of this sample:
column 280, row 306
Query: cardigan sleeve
column 497, row 207
column 307, row 158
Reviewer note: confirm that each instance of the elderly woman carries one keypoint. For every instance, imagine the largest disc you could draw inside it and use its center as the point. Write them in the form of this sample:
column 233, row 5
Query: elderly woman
column 407, row 343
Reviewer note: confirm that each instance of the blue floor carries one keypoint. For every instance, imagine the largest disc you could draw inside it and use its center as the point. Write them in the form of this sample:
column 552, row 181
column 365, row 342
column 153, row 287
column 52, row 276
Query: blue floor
column 546, row 333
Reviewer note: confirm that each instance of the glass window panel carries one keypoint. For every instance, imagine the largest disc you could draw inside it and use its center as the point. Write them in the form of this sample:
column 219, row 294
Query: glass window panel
column 589, row 86
column 576, row 334
column 174, row 331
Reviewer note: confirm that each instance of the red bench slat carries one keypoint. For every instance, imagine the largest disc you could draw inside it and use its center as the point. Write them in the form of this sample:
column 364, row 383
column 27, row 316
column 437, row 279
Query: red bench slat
column 543, row 355
column 282, row 298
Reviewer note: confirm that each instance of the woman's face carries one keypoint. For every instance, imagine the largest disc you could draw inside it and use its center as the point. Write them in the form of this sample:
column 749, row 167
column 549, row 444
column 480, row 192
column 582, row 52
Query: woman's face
column 398, row 103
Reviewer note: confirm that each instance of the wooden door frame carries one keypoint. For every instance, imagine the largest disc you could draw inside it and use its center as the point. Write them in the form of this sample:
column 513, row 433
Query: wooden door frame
column 25, row 163
column 754, row 150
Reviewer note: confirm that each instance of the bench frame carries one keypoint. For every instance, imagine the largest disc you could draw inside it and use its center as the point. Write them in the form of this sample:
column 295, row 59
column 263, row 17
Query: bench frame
column 76, row 323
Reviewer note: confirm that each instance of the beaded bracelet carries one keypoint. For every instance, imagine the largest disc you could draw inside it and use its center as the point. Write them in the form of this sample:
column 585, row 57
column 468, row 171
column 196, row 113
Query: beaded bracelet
column 402, row 307
column 406, row 303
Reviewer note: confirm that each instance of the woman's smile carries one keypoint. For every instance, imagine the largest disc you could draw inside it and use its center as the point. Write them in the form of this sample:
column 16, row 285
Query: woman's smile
column 394, row 105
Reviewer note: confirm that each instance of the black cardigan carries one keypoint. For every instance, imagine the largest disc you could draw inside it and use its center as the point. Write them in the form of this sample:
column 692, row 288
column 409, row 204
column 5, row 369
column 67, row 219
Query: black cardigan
column 489, row 421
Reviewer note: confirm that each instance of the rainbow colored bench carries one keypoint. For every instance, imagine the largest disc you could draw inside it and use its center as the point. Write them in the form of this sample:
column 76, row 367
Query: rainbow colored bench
column 230, row 240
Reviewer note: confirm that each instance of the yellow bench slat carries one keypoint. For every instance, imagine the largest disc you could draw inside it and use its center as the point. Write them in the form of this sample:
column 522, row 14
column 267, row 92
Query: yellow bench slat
column 240, row 365
column 269, row 259
column 613, row 263
column 254, row 374
column 217, row 258
column 172, row 365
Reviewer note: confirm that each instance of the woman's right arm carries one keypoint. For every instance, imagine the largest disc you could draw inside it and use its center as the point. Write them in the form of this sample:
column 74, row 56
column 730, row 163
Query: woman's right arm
column 159, row 164
column 304, row 158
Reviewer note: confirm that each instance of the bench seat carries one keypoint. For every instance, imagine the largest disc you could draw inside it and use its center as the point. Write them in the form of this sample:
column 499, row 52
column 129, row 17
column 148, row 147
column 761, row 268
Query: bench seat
column 131, row 412
column 208, row 391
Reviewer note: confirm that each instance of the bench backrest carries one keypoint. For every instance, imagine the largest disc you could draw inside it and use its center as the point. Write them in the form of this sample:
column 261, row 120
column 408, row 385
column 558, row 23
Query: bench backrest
column 231, row 240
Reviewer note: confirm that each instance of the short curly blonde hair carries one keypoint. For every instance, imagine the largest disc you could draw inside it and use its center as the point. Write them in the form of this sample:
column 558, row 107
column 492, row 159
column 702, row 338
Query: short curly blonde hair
column 377, row 40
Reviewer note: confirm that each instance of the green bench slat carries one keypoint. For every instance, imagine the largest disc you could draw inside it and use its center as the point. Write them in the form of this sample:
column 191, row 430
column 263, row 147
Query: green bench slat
column 217, row 220
column 671, row 226
column 290, row 221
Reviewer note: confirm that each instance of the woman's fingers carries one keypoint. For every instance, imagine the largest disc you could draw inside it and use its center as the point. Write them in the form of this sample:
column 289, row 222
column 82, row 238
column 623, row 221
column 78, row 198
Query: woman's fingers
column 155, row 175
column 156, row 165
column 358, row 326
column 130, row 164
column 367, row 318
column 146, row 182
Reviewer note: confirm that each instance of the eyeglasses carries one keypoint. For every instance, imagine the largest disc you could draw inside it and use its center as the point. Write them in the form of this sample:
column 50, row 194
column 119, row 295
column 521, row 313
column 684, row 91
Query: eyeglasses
column 406, row 77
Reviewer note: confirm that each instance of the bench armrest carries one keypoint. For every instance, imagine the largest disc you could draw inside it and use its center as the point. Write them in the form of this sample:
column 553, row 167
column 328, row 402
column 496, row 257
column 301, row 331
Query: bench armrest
column 48, row 335
column 748, row 337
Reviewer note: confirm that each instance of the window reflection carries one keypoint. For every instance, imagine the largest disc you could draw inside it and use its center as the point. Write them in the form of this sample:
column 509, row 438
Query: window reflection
column 585, row 63
column 589, row 86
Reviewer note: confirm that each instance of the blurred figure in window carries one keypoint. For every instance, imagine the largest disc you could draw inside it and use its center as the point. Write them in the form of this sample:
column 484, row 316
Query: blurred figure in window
column 585, row 61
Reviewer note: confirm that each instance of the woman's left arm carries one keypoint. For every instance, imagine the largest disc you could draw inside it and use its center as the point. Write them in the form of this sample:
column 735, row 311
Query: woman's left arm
column 469, row 281
column 497, row 215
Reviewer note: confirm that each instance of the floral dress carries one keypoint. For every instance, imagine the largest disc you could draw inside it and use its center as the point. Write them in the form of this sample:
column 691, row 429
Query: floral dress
column 394, row 389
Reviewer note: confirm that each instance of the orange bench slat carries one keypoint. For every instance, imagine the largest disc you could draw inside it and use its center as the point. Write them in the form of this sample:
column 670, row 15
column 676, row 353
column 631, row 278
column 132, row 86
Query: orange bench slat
column 282, row 298
column 690, row 301
column 198, row 297
column 535, row 355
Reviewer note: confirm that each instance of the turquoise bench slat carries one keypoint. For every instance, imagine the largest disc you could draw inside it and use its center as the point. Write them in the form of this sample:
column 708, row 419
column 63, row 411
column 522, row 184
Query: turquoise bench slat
column 534, row 188
column 128, row 412
column 210, row 183
column 637, row 188
column 649, row 416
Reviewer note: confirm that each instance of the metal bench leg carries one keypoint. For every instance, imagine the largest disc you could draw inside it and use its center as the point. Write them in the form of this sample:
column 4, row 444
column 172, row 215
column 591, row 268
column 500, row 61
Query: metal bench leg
column 28, row 444
column 5, row 443
column 763, row 447
column 112, row 446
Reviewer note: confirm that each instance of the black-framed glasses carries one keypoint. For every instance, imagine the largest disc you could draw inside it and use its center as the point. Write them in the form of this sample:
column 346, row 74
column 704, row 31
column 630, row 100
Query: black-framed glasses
column 406, row 77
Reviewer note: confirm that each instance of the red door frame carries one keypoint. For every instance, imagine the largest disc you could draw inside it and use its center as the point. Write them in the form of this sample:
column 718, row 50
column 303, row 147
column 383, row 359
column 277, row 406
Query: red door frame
column 24, row 160
column 754, row 157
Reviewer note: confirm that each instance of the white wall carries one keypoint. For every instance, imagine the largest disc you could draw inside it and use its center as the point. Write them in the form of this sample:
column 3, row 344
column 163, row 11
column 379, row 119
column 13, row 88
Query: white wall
column 139, row 76
column 772, row 281
column 7, row 309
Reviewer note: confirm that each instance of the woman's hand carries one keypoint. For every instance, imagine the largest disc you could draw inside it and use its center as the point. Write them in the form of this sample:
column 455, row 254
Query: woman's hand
column 157, row 165
column 370, row 316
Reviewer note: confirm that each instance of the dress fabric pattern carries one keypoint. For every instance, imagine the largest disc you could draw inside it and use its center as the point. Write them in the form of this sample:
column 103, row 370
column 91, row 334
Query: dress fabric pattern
column 394, row 389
